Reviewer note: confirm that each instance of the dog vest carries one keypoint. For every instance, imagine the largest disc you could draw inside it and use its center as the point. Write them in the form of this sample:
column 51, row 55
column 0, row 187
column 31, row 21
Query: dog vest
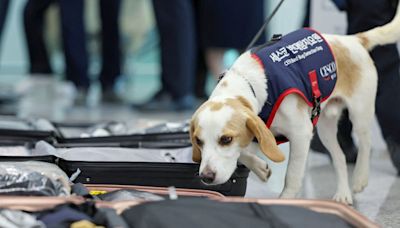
column 300, row 62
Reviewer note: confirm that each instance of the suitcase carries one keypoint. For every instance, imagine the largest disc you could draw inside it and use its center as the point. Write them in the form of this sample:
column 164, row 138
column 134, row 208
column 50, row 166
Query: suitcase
column 158, row 174
column 345, row 213
column 161, row 174
column 19, row 131
column 181, row 175
column 24, row 132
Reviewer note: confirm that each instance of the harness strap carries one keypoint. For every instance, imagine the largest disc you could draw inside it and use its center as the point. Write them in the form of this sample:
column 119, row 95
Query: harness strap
column 316, row 93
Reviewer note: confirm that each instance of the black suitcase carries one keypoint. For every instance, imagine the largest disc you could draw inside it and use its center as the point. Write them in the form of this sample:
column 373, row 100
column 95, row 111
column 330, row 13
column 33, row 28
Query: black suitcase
column 160, row 174
column 17, row 131
column 180, row 175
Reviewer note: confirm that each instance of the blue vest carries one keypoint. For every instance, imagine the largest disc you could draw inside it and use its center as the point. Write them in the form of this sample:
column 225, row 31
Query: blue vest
column 300, row 62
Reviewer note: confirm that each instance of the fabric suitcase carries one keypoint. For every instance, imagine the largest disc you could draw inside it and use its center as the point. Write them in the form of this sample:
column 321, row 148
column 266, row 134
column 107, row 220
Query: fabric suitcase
column 181, row 175
column 16, row 131
column 127, row 166
column 149, row 167
column 19, row 131
column 104, row 164
column 277, row 212
column 345, row 212
column 233, row 212
column 26, row 132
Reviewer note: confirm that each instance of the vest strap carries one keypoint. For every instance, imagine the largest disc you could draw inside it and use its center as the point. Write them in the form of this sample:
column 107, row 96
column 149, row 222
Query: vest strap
column 316, row 93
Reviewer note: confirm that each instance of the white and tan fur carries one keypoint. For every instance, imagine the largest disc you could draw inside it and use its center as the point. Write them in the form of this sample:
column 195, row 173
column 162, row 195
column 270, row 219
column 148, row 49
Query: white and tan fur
column 232, row 109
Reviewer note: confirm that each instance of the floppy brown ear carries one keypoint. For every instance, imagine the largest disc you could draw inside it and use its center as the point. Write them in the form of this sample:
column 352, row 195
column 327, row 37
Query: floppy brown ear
column 196, row 153
column 265, row 138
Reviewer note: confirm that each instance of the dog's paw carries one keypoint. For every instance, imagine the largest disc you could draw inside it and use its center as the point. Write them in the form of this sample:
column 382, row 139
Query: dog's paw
column 343, row 197
column 359, row 184
column 262, row 171
column 360, row 181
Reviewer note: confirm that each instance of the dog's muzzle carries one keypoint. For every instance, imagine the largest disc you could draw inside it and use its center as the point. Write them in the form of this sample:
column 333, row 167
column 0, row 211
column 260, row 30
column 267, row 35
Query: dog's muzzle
column 207, row 176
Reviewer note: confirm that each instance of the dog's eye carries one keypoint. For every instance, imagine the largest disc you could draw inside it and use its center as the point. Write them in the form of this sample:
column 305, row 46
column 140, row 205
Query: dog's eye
column 199, row 142
column 225, row 140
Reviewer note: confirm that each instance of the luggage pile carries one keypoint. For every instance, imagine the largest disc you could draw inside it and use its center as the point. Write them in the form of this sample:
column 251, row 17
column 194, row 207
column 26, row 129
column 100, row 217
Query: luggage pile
column 93, row 175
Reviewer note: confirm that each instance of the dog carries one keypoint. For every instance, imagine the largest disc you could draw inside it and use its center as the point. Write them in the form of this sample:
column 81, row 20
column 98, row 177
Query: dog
column 223, row 129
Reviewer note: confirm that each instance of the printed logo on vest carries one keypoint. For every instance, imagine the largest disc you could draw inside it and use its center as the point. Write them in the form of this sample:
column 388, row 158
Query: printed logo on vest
column 328, row 72
column 298, row 49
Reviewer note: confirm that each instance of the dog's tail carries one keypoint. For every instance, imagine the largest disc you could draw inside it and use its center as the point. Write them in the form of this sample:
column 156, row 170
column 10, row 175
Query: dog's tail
column 382, row 35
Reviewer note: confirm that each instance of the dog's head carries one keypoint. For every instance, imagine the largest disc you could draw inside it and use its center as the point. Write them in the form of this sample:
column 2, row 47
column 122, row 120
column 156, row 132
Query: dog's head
column 220, row 130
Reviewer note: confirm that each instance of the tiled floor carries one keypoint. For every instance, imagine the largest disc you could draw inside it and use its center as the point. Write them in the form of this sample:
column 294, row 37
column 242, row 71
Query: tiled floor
column 380, row 201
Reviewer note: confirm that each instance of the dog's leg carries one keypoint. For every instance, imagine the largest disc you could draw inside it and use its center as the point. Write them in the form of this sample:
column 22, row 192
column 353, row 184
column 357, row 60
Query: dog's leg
column 362, row 121
column 327, row 130
column 299, row 137
column 254, row 163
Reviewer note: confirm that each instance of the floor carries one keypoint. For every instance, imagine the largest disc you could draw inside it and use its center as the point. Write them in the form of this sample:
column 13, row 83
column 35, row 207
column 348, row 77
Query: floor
column 380, row 201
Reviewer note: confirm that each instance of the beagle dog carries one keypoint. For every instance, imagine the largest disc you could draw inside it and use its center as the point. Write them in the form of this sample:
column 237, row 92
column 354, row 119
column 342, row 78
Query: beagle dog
column 229, row 128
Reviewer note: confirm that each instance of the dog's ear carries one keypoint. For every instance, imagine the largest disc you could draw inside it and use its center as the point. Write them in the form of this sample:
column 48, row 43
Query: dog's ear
column 196, row 153
column 265, row 138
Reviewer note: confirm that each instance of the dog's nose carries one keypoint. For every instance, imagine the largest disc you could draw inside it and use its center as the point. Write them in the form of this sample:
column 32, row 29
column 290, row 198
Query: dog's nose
column 207, row 176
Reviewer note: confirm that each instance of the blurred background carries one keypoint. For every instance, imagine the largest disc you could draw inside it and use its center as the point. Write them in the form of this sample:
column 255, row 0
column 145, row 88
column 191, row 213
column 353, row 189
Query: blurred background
column 34, row 75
